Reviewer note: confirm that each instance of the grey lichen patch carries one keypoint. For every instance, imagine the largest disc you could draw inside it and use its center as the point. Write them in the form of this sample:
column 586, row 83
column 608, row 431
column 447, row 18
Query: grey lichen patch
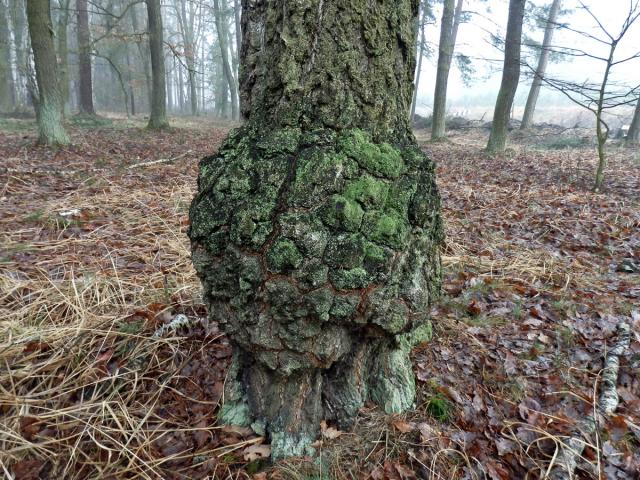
column 423, row 332
column 316, row 249
column 392, row 384
column 285, row 444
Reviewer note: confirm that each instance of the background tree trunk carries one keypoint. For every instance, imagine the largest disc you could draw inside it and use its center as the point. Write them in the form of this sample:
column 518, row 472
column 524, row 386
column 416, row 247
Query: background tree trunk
column 222, row 29
column 85, row 100
column 158, row 117
column 19, row 24
column 532, row 99
column 510, row 76
column 421, row 53
column 50, row 114
column 445, row 53
column 63, row 53
column 7, row 86
column 633, row 136
column 316, row 226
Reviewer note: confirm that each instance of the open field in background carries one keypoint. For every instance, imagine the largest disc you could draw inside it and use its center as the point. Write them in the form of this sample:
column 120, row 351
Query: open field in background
column 565, row 116
column 94, row 259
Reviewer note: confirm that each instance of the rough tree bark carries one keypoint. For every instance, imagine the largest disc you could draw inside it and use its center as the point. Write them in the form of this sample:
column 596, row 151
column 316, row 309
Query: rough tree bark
column 316, row 227
column 510, row 76
column 49, row 104
column 532, row 99
column 158, row 117
column 85, row 87
column 448, row 33
column 223, row 35
column 633, row 136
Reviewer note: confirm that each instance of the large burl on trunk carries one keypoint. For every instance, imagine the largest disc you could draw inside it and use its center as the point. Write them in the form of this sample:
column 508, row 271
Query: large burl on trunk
column 316, row 227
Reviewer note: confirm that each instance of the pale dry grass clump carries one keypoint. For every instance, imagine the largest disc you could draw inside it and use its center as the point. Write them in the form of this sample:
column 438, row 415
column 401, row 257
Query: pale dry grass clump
column 81, row 376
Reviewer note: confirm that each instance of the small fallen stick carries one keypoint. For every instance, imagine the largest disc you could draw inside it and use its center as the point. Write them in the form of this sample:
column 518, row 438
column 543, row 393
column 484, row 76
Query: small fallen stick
column 570, row 452
column 162, row 160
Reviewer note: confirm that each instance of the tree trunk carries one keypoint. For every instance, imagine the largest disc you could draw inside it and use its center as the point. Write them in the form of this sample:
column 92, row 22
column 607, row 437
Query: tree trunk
column 633, row 136
column 19, row 24
column 169, row 84
column 445, row 53
column 186, row 24
column 532, row 99
column 85, row 100
column 7, row 87
column 316, row 227
column 50, row 107
column 158, row 117
column 222, row 29
column 236, row 13
column 421, row 52
column 63, row 54
column 510, row 76
column 144, row 56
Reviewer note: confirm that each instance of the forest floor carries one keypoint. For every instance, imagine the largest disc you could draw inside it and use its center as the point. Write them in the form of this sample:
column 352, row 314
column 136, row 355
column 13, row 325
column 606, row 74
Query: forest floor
column 539, row 274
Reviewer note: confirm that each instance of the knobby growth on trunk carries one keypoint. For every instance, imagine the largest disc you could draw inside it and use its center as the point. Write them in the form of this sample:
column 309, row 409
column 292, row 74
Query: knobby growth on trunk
column 316, row 227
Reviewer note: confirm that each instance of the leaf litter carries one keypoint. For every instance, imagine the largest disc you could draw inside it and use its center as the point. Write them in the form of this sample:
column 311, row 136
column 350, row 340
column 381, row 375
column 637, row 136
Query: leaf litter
column 538, row 274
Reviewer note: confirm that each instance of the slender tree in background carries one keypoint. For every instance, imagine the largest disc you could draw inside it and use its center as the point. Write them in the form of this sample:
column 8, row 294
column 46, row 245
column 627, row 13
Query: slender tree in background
column 186, row 15
column 85, row 87
column 49, row 107
column 63, row 51
column 158, row 116
column 222, row 28
column 532, row 99
column 448, row 33
column 633, row 136
column 7, row 88
column 316, row 226
column 510, row 77
column 422, row 50
column 605, row 95
column 17, row 9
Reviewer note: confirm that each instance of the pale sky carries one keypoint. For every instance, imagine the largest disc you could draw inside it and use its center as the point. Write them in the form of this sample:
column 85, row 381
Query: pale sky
column 473, row 40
